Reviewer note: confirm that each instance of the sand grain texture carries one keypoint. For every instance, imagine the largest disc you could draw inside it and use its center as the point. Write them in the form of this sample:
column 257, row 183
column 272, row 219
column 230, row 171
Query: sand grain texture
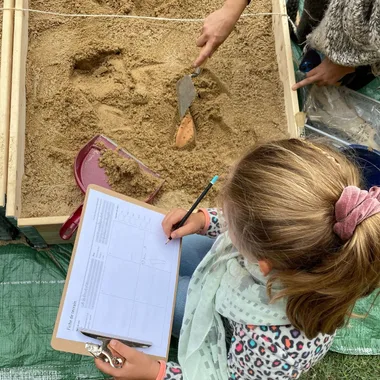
column 126, row 177
column 117, row 78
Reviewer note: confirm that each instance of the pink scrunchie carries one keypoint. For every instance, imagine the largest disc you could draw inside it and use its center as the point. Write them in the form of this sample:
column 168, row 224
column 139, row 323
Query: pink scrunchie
column 353, row 207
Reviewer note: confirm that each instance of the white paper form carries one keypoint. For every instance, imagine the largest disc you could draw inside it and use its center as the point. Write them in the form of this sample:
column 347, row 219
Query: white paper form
column 123, row 277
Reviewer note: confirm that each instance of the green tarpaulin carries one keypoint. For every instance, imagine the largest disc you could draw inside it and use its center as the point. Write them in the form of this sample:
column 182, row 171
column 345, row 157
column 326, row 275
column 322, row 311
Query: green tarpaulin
column 362, row 335
column 31, row 285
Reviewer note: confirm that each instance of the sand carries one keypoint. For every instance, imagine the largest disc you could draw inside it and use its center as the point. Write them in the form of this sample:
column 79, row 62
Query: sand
column 126, row 176
column 117, row 78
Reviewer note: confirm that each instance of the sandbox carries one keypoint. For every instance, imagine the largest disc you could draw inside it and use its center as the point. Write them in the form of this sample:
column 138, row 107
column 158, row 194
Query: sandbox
column 117, row 77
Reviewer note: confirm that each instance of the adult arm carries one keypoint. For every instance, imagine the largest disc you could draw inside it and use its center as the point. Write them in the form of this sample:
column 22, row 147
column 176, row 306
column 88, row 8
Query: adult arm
column 217, row 27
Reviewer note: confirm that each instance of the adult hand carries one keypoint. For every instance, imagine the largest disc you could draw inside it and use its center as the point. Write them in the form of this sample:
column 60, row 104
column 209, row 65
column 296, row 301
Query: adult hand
column 325, row 74
column 195, row 223
column 217, row 27
column 138, row 366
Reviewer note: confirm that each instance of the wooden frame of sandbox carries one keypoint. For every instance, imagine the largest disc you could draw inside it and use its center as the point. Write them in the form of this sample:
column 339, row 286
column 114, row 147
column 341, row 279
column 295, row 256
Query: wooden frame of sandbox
column 43, row 231
column 7, row 231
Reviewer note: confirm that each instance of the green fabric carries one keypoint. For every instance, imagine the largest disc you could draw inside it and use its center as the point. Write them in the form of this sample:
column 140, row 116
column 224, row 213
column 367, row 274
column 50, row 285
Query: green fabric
column 372, row 89
column 301, row 5
column 362, row 335
column 220, row 286
column 31, row 285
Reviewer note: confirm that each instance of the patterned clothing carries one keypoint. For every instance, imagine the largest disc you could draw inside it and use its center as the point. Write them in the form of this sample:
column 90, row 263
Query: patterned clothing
column 262, row 352
column 349, row 33
column 217, row 224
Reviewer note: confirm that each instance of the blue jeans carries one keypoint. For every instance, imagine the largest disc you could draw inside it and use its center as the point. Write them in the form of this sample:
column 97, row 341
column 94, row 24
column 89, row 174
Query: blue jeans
column 194, row 249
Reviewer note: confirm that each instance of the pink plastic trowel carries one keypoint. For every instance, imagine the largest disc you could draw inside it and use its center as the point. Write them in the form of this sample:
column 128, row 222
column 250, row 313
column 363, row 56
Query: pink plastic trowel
column 87, row 172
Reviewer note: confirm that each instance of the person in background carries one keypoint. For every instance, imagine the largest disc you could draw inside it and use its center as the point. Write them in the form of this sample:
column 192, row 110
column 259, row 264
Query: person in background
column 345, row 32
column 297, row 245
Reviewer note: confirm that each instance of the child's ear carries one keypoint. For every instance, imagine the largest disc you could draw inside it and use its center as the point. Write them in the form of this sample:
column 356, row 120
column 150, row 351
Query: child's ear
column 265, row 267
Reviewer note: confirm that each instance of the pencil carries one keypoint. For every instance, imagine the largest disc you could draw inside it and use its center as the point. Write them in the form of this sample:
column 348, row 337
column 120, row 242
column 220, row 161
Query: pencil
column 196, row 203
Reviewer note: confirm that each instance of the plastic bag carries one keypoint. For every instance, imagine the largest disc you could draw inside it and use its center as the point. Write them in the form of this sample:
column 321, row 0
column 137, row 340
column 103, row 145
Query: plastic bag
column 342, row 115
column 345, row 114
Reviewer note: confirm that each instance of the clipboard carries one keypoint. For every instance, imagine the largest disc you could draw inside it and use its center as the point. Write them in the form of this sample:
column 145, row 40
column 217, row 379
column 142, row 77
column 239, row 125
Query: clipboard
column 75, row 347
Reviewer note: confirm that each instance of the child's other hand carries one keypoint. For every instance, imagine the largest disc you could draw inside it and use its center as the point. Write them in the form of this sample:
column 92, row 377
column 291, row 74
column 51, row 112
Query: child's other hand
column 326, row 74
column 137, row 365
column 195, row 223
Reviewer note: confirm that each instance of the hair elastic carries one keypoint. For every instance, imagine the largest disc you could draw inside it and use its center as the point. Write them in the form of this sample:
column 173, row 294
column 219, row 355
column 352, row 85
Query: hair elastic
column 353, row 207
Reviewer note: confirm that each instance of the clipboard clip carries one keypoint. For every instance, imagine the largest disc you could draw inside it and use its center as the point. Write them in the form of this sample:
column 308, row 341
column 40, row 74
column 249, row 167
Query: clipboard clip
column 102, row 352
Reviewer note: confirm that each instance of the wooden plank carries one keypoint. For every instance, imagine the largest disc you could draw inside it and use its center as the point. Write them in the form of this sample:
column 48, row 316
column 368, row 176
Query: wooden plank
column 47, row 234
column 5, row 93
column 59, row 220
column 285, row 66
column 47, row 229
column 18, row 112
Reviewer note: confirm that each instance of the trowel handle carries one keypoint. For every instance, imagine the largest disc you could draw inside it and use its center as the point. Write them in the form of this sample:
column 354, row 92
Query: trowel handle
column 198, row 70
column 71, row 225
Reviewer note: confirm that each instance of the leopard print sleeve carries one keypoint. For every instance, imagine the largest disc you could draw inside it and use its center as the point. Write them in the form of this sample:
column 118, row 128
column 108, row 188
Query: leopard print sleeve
column 173, row 371
column 217, row 224
column 273, row 352
column 267, row 352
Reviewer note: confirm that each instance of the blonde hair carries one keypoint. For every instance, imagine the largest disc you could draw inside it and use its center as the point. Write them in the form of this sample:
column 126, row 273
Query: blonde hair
column 279, row 202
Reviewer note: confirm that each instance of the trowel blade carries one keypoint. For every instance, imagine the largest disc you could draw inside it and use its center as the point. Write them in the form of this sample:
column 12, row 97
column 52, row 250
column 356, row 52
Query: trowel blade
column 185, row 94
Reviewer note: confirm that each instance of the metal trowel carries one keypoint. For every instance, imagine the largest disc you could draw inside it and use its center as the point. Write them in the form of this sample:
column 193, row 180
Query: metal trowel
column 186, row 92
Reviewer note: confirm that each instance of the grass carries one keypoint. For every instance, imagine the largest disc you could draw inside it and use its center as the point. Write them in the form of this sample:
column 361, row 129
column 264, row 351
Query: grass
column 332, row 367
column 345, row 367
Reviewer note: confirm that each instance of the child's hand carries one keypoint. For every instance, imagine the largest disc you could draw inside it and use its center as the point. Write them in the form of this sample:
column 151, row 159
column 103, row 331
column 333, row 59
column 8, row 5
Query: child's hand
column 137, row 366
column 326, row 74
column 195, row 223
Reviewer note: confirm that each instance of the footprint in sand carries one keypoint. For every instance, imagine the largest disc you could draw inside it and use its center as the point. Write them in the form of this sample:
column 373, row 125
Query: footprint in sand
column 101, row 78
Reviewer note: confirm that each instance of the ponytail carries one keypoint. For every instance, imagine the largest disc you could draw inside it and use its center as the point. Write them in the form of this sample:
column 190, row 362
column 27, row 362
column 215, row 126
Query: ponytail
column 320, row 300
column 280, row 201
